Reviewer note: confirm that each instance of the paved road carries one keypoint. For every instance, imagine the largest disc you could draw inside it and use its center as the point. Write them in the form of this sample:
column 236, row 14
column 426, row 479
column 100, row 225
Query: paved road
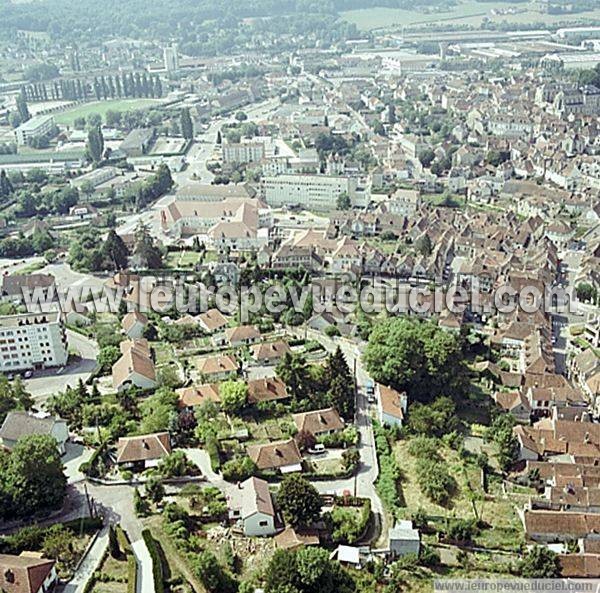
column 145, row 581
column 89, row 565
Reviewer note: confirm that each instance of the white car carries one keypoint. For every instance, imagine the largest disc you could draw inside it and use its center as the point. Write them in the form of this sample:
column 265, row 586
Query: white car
column 319, row 449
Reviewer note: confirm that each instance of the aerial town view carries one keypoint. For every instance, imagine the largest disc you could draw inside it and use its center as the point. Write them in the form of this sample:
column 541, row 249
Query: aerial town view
column 299, row 297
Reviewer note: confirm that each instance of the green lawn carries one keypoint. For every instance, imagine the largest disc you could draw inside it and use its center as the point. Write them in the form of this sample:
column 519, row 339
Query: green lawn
column 67, row 117
column 468, row 12
column 183, row 259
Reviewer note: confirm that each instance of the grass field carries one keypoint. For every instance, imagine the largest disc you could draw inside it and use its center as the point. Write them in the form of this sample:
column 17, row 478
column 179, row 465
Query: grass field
column 494, row 509
column 66, row 118
column 469, row 12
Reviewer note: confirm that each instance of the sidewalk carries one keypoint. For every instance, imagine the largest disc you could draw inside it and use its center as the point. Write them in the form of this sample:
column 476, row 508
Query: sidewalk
column 89, row 564
column 145, row 580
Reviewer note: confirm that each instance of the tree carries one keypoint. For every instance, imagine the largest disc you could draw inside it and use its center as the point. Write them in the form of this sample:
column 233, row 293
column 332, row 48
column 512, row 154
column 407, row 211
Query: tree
column 155, row 489
column 343, row 201
column 22, row 108
column 306, row 440
column 234, row 395
column 6, row 187
column 308, row 570
column 57, row 544
column 427, row 157
column 214, row 578
column 417, row 357
column 107, row 356
column 33, row 476
column 113, row 542
column 145, row 252
column 350, row 459
column 505, row 441
column 437, row 418
column 95, row 144
column 187, row 127
column 341, row 384
column 299, row 500
column 434, row 480
column 586, row 292
column 115, row 251
column 294, row 372
column 539, row 563
column 423, row 245
column 219, row 137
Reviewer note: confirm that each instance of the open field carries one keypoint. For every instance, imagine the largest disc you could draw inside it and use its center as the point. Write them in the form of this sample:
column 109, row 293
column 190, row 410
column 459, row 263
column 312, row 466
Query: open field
column 66, row 118
column 493, row 508
column 469, row 12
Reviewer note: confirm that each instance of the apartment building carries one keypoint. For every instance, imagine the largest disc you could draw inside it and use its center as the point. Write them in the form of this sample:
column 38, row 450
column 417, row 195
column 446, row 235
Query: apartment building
column 243, row 152
column 314, row 192
column 34, row 128
column 32, row 341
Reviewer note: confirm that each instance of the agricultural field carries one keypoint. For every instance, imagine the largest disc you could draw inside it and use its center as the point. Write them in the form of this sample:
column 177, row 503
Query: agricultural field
column 468, row 12
column 68, row 117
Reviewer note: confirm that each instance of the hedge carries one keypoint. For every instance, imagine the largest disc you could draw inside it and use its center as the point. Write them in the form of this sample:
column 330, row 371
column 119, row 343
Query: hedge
column 157, row 568
column 125, row 545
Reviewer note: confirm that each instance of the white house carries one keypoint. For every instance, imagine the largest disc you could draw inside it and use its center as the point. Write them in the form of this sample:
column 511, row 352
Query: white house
column 252, row 507
column 135, row 367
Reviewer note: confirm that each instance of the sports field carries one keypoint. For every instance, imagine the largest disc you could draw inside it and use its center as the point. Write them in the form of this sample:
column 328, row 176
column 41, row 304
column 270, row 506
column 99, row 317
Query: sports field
column 67, row 117
column 468, row 12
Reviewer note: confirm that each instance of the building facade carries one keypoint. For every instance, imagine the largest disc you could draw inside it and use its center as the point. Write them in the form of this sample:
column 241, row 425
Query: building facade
column 32, row 341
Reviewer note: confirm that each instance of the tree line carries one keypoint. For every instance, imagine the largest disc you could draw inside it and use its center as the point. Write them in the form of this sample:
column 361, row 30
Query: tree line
column 119, row 86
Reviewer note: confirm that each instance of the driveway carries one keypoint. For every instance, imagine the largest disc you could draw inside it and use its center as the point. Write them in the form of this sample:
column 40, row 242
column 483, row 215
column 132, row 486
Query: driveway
column 76, row 455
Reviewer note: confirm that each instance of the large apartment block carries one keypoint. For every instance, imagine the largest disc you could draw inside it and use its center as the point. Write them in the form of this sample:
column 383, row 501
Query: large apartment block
column 34, row 128
column 243, row 152
column 32, row 341
column 314, row 192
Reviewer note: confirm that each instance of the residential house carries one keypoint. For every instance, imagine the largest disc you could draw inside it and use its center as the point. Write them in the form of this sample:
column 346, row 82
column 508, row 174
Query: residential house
column 251, row 506
column 218, row 368
column 319, row 422
column 144, row 451
column 560, row 526
column 17, row 425
column 212, row 321
column 242, row 335
column 391, row 405
column 270, row 353
column 266, row 390
column 15, row 286
column 133, row 324
column 283, row 456
column 27, row 573
column 197, row 395
column 135, row 367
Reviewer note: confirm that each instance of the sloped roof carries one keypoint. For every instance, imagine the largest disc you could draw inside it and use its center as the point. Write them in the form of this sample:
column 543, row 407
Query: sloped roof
column 275, row 455
column 20, row 424
column 318, row 421
column 144, row 447
column 24, row 573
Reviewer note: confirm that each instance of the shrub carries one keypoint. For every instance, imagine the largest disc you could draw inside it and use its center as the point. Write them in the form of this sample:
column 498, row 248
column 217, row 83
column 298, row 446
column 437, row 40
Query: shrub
column 157, row 568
